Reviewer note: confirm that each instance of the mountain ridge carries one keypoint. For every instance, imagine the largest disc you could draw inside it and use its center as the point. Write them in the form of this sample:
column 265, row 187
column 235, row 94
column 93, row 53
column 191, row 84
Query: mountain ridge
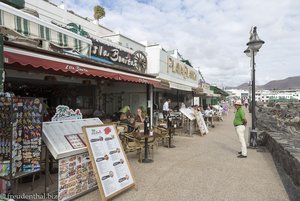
column 283, row 84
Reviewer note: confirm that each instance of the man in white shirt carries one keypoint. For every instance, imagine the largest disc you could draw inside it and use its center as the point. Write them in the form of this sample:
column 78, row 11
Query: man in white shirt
column 166, row 108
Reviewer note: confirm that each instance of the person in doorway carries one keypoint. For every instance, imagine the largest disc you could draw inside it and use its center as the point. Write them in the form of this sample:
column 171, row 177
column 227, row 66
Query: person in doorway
column 239, row 123
column 166, row 108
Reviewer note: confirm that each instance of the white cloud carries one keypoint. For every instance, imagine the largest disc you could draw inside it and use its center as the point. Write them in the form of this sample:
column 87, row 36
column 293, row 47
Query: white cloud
column 212, row 34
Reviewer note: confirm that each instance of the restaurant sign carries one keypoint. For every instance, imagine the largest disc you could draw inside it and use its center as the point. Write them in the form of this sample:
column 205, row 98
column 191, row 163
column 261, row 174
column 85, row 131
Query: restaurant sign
column 180, row 68
column 136, row 61
column 75, row 69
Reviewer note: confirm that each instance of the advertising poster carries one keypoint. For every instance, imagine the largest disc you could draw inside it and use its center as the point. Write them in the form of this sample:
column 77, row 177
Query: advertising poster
column 75, row 176
column 110, row 163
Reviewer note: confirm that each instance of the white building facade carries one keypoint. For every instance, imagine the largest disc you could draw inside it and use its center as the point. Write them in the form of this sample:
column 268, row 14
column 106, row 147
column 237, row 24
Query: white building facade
column 180, row 79
column 62, row 17
column 277, row 95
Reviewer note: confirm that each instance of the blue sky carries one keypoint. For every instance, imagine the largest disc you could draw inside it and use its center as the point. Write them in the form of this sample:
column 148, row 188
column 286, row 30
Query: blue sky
column 211, row 34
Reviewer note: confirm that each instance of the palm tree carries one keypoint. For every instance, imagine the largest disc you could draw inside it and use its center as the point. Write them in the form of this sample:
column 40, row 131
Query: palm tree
column 99, row 12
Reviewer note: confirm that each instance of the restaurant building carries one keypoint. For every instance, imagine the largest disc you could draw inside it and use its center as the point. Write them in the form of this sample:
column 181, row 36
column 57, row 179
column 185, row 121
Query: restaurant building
column 177, row 78
column 203, row 94
column 46, row 60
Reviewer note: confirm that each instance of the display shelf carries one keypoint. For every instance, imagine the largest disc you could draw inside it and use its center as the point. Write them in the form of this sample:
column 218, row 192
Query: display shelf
column 19, row 175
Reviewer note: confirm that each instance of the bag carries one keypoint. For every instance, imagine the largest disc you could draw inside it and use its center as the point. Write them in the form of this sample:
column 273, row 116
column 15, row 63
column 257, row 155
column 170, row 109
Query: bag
column 244, row 122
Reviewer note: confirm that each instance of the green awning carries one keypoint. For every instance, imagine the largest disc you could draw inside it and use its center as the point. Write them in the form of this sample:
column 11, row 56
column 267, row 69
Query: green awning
column 15, row 3
column 217, row 90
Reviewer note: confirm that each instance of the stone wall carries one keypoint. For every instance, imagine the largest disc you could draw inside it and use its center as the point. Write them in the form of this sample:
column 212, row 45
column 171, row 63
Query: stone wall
column 283, row 118
column 279, row 131
column 286, row 153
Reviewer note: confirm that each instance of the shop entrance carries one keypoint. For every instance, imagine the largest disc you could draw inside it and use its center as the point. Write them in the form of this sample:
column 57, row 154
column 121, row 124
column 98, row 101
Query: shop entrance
column 55, row 93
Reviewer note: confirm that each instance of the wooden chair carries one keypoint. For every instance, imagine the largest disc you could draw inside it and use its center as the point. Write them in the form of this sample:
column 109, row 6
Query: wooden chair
column 132, row 144
column 162, row 134
column 131, row 141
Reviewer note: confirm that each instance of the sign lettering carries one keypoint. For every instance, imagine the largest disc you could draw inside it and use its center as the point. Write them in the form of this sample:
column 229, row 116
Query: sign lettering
column 181, row 69
column 135, row 61
column 75, row 68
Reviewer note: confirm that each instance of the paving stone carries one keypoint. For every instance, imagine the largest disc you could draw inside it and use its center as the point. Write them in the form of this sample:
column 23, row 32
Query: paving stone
column 202, row 168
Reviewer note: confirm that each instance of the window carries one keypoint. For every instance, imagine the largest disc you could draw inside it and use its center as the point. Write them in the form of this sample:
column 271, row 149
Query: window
column 84, row 102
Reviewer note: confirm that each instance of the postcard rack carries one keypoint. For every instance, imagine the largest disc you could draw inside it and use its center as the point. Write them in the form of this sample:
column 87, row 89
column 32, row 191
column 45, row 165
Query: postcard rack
column 20, row 139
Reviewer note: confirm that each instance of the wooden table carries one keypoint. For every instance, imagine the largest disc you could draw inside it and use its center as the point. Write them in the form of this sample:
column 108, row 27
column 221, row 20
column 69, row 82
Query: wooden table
column 142, row 136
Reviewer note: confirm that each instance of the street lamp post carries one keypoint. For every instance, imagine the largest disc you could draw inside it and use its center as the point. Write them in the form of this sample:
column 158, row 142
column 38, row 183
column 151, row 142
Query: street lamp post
column 250, row 96
column 254, row 45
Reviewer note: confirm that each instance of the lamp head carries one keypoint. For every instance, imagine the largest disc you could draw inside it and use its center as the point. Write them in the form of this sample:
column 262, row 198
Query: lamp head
column 255, row 42
column 248, row 52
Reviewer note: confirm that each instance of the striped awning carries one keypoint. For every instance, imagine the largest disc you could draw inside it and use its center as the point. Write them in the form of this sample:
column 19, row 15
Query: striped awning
column 21, row 26
column 36, row 60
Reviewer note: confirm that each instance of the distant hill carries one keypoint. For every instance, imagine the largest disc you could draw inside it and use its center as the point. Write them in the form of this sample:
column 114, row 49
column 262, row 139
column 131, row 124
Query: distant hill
column 244, row 86
column 288, row 83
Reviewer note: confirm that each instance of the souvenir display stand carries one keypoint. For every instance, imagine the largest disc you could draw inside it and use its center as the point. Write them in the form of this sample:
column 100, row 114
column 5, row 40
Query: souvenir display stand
column 20, row 139
column 109, row 161
column 64, row 139
column 188, row 120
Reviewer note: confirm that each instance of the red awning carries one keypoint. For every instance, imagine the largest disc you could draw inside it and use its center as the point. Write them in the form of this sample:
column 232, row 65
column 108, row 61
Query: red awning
column 13, row 55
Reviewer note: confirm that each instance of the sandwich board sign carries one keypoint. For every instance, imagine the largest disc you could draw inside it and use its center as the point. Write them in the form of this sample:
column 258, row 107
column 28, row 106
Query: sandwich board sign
column 201, row 123
column 109, row 161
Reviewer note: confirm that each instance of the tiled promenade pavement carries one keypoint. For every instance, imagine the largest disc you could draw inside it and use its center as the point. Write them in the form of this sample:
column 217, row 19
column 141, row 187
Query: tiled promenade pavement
column 204, row 168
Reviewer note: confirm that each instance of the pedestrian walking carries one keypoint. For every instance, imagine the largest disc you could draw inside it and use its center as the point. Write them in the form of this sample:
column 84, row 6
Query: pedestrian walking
column 239, row 123
column 246, row 103
column 166, row 108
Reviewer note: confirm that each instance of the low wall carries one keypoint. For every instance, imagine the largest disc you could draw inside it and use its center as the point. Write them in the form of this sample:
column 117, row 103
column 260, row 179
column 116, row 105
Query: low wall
column 286, row 153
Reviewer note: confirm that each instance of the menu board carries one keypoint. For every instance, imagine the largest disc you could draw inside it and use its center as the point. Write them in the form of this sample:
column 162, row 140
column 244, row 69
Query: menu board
column 109, row 160
column 189, row 113
column 65, row 138
column 201, row 123
column 75, row 176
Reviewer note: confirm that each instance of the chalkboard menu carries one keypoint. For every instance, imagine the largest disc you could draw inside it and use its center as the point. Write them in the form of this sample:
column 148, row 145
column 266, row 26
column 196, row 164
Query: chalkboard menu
column 109, row 161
